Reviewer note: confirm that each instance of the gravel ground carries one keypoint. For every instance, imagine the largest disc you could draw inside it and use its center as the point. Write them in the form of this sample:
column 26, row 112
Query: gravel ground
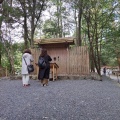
column 61, row 100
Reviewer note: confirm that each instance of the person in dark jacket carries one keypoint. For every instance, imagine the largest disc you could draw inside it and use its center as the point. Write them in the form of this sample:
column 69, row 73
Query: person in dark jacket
column 43, row 74
column 104, row 70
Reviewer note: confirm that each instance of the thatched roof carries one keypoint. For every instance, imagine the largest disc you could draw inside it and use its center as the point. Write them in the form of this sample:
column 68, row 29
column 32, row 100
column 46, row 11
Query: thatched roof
column 68, row 40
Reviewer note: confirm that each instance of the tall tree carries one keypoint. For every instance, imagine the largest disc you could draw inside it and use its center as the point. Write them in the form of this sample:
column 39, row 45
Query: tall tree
column 5, row 33
column 32, row 11
column 80, row 12
column 97, row 20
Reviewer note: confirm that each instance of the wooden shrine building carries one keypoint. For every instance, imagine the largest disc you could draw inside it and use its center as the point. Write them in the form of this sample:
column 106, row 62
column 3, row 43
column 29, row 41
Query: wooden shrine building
column 70, row 60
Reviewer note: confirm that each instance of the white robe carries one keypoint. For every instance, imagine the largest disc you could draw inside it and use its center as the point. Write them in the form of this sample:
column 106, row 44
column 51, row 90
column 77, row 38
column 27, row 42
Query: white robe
column 29, row 58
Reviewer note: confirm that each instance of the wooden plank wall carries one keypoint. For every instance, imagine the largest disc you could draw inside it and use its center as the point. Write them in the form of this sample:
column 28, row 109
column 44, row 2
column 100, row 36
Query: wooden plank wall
column 74, row 61
column 78, row 61
column 61, row 56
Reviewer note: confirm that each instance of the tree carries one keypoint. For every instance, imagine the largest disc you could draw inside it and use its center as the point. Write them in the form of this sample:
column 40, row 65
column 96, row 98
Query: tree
column 60, row 16
column 49, row 29
column 1, row 1
column 32, row 11
column 6, row 21
column 97, row 20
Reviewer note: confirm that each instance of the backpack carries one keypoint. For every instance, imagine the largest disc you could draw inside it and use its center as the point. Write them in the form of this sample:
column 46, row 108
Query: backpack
column 41, row 62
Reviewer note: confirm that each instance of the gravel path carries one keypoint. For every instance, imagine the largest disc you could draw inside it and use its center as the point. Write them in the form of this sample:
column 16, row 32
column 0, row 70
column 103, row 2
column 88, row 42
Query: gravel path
column 61, row 100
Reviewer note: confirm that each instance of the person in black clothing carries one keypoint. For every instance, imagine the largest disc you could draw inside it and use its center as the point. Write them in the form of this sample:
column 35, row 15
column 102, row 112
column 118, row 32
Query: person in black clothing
column 104, row 70
column 43, row 74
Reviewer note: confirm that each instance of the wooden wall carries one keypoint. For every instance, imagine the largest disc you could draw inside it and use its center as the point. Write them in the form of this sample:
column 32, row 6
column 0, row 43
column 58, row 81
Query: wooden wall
column 61, row 58
column 74, row 61
column 78, row 61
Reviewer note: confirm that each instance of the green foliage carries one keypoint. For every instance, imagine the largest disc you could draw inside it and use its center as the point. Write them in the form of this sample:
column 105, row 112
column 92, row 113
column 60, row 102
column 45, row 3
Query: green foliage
column 17, row 61
column 17, row 58
column 111, row 47
column 17, row 48
column 100, row 13
column 50, row 29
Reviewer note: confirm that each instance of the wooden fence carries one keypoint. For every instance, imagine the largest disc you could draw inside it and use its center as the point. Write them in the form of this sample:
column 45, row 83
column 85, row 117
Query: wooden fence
column 78, row 61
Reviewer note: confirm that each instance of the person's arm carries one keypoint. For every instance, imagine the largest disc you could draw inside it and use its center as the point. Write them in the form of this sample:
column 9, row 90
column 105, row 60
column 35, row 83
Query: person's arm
column 50, row 59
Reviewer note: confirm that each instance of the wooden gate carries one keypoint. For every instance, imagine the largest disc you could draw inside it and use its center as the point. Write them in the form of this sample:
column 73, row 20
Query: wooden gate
column 78, row 61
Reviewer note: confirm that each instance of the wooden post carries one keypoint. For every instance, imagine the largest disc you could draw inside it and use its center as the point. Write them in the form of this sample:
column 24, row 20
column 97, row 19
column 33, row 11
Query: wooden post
column 53, row 73
column 6, row 72
column 37, row 69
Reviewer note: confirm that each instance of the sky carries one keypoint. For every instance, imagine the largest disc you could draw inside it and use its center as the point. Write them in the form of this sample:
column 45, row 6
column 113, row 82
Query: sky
column 16, row 33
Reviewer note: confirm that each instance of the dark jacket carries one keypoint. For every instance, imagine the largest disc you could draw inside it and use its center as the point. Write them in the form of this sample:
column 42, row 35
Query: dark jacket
column 104, row 70
column 44, row 73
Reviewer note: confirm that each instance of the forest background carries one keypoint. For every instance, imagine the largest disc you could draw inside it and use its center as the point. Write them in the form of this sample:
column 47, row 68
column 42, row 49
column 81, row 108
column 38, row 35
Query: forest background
column 94, row 23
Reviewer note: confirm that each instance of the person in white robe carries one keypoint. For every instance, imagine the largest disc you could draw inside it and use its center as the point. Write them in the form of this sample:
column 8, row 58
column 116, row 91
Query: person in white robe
column 27, row 56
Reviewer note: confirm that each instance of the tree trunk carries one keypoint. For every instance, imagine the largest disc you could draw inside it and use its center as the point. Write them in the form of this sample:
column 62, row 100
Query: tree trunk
column 118, row 60
column 76, row 26
column 94, row 45
column 58, row 19
column 25, row 27
column 79, row 40
column 97, row 61
column 119, row 63
column 25, row 33
column 32, row 25
column 0, row 57
column 61, row 27
column 1, row 1
column 92, row 65
column 0, row 43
